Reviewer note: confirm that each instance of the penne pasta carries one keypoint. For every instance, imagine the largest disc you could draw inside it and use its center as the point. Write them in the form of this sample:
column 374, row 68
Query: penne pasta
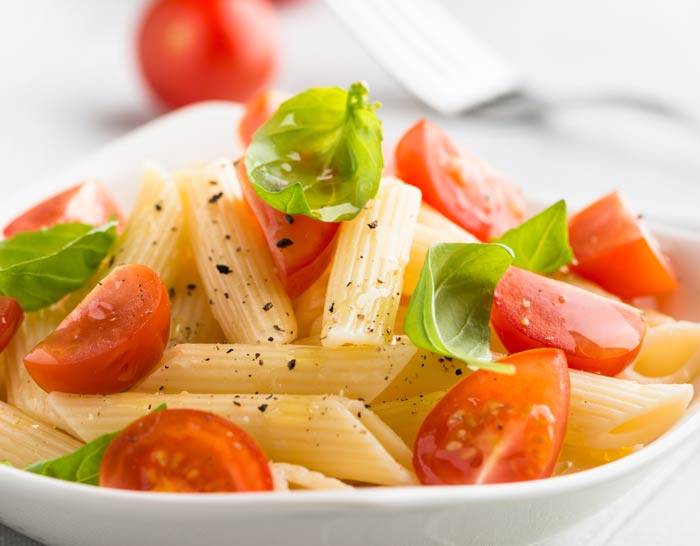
column 308, row 307
column 293, row 476
column 605, row 413
column 429, row 217
column 328, row 434
column 670, row 354
column 356, row 372
column 237, row 272
column 575, row 459
column 22, row 390
column 25, row 440
column 366, row 276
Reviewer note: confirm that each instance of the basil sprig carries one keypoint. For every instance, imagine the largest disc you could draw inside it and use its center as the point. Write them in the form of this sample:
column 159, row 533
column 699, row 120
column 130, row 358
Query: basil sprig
column 83, row 465
column 450, row 308
column 319, row 154
column 38, row 268
column 541, row 244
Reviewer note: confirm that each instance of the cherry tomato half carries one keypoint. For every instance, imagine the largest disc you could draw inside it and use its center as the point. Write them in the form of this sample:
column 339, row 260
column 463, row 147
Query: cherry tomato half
column 11, row 316
column 458, row 184
column 111, row 340
column 185, row 451
column 89, row 203
column 300, row 246
column 495, row 428
column 613, row 249
column 597, row 334
column 194, row 50
column 257, row 111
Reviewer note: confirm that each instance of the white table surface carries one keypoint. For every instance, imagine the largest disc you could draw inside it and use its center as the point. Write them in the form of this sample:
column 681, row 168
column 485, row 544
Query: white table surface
column 68, row 84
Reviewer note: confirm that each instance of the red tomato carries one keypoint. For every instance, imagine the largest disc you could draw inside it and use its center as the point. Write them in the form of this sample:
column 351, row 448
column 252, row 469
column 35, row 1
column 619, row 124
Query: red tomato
column 597, row 334
column 111, row 340
column 185, row 451
column 300, row 246
column 257, row 111
column 613, row 249
column 194, row 50
column 495, row 428
column 458, row 184
column 11, row 316
column 88, row 203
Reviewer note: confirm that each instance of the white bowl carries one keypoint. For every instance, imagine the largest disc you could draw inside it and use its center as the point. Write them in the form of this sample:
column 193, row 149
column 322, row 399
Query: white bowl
column 67, row 514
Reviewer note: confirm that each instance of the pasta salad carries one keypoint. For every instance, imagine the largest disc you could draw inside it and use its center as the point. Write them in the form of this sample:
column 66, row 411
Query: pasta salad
column 307, row 317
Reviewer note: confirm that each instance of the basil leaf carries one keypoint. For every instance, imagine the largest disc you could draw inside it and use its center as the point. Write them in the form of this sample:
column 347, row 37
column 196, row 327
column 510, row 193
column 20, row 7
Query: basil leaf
column 38, row 268
column 319, row 154
column 541, row 244
column 83, row 465
column 450, row 308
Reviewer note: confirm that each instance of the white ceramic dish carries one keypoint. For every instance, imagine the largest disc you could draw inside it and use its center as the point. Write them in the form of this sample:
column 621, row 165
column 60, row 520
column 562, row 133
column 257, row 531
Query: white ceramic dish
column 66, row 514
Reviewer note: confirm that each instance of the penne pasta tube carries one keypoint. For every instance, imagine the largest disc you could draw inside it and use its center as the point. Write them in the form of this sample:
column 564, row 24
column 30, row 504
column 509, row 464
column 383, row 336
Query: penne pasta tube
column 246, row 297
column 353, row 371
column 424, row 237
column 366, row 276
column 329, row 434
column 605, row 413
column 294, row 476
column 308, row 307
column 25, row 440
column 670, row 354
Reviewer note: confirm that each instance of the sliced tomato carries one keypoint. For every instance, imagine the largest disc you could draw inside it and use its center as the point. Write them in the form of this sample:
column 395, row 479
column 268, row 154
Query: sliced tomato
column 614, row 249
column 185, row 451
column 111, row 340
column 89, row 203
column 458, row 184
column 300, row 246
column 597, row 334
column 257, row 111
column 495, row 428
column 11, row 316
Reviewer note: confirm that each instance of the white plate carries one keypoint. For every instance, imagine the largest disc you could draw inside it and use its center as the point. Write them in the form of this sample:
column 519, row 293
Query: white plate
column 67, row 514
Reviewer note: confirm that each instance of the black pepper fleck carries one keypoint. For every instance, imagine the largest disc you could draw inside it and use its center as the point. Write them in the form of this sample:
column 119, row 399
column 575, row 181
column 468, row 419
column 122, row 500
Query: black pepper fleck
column 214, row 198
column 284, row 242
column 267, row 306
column 292, row 363
column 223, row 269
column 262, row 407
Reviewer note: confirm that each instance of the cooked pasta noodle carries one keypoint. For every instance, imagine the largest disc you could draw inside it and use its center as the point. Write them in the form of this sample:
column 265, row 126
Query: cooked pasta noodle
column 294, row 476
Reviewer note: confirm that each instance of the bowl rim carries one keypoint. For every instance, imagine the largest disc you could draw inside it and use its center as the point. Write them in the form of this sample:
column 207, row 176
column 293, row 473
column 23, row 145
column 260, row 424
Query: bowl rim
column 376, row 497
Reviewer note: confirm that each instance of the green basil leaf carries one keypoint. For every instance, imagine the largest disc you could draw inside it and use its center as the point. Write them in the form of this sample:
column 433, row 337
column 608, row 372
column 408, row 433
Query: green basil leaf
column 320, row 154
column 541, row 244
column 450, row 308
column 83, row 465
column 38, row 268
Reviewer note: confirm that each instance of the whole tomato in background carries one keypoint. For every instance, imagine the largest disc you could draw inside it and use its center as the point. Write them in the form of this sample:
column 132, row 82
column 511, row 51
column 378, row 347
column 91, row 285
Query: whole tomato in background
column 194, row 50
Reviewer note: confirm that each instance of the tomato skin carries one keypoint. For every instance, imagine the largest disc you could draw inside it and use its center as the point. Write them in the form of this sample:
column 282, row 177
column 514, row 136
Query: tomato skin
column 194, row 50
column 111, row 340
column 11, row 316
column 185, row 451
column 302, row 262
column 613, row 249
column 458, row 184
column 597, row 334
column 257, row 111
column 496, row 428
column 89, row 203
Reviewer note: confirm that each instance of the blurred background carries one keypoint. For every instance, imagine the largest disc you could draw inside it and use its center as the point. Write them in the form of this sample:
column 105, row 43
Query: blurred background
column 70, row 83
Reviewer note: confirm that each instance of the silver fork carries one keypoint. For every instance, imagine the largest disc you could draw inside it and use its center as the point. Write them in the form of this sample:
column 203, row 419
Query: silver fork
column 429, row 52
column 451, row 70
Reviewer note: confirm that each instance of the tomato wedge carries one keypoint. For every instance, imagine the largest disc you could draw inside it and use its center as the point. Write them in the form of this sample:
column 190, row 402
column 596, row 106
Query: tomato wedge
column 614, row 249
column 11, row 316
column 597, row 334
column 185, row 451
column 111, row 340
column 88, row 203
column 257, row 111
column 495, row 428
column 458, row 184
column 300, row 246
